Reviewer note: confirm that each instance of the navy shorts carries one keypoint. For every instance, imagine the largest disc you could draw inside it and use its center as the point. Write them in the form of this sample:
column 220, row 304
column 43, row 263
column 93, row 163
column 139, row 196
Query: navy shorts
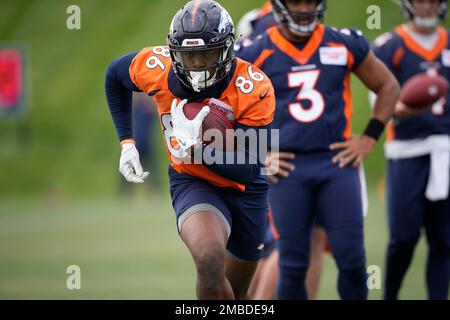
column 269, row 242
column 244, row 214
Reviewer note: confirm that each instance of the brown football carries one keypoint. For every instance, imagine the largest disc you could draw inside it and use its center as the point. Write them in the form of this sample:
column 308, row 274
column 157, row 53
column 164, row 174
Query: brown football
column 216, row 119
column 423, row 90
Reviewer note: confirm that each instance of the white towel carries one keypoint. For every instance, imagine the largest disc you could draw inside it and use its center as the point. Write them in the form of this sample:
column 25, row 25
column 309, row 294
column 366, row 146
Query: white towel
column 438, row 147
column 438, row 182
column 363, row 186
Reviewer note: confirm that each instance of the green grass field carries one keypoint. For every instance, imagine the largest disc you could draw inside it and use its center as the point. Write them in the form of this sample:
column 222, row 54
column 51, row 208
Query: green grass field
column 129, row 249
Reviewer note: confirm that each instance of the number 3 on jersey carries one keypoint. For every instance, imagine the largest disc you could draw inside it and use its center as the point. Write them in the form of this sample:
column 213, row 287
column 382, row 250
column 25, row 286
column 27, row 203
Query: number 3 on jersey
column 306, row 80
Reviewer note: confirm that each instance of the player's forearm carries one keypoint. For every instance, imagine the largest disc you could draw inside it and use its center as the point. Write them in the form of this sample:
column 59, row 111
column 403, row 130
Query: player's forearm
column 119, row 89
column 387, row 97
column 400, row 109
column 243, row 166
column 377, row 78
column 244, row 173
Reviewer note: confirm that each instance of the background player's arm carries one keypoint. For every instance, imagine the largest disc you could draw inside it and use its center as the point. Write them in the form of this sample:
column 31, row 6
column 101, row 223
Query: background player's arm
column 404, row 111
column 377, row 77
column 385, row 49
column 279, row 165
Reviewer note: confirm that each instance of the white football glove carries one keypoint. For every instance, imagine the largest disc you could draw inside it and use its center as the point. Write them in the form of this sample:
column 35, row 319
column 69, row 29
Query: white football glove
column 186, row 131
column 129, row 164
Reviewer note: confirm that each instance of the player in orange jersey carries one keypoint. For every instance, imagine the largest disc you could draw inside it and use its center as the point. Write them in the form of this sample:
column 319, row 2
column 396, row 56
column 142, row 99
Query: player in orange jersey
column 221, row 207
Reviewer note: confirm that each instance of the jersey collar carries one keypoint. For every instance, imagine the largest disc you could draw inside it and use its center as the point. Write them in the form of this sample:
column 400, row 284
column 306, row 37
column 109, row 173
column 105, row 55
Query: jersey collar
column 301, row 56
column 427, row 55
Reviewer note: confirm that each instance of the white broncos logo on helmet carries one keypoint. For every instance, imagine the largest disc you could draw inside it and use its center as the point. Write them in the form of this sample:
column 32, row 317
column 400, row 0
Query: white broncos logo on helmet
column 225, row 19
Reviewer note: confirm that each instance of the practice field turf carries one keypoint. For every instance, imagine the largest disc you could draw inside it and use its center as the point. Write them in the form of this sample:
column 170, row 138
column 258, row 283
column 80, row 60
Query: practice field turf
column 129, row 249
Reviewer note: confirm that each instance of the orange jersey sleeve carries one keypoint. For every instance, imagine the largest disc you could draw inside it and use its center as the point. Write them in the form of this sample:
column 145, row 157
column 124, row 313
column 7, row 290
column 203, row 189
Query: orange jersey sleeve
column 251, row 94
column 149, row 69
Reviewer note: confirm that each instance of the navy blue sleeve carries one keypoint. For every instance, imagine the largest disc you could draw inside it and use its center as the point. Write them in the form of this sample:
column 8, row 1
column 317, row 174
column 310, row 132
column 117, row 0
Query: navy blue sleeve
column 384, row 48
column 247, row 50
column 261, row 24
column 119, row 89
column 247, row 164
column 358, row 45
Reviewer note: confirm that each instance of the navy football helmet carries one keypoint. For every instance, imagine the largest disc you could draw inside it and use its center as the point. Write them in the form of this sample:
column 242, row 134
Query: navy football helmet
column 289, row 18
column 201, row 40
column 410, row 14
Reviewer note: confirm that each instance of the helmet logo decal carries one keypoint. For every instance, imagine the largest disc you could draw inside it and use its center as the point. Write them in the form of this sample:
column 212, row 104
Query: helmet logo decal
column 193, row 42
column 225, row 20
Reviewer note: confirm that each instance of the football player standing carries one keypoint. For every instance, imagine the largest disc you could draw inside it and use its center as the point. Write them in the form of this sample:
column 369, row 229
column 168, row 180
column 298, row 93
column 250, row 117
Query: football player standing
column 263, row 286
column 310, row 65
column 418, row 150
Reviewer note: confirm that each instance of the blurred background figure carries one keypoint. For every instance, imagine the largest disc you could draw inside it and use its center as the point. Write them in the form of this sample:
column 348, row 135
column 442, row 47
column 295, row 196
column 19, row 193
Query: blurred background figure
column 318, row 180
column 14, row 102
column 12, row 80
column 255, row 22
column 418, row 150
column 251, row 25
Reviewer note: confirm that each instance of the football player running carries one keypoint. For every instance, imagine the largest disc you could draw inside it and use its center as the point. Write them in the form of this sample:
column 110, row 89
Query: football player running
column 418, row 149
column 310, row 65
column 221, row 208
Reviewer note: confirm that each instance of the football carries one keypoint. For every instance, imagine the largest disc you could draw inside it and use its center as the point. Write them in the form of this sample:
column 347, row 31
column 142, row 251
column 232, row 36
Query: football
column 423, row 90
column 218, row 118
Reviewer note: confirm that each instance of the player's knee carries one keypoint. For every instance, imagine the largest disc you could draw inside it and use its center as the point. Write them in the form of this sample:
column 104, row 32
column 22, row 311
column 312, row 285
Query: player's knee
column 209, row 259
column 347, row 245
column 440, row 245
column 404, row 240
column 295, row 274
column 293, row 263
column 294, row 251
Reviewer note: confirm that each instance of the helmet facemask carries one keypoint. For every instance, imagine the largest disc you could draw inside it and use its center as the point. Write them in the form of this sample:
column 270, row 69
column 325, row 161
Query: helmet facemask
column 427, row 23
column 214, row 62
column 300, row 24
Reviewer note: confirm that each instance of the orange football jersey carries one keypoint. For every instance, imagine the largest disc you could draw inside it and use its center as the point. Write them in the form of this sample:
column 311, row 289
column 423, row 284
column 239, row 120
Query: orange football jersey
column 249, row 93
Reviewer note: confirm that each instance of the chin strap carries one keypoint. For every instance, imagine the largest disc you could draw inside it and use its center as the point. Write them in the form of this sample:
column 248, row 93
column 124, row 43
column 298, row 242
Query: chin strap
column 302, row 31
column 201, row 79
